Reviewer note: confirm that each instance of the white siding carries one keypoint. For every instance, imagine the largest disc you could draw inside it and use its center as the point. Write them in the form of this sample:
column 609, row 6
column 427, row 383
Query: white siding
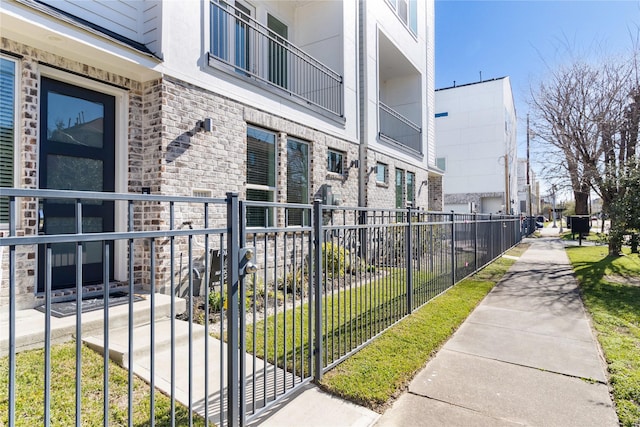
column 151, row 25
column 477, row 133
column 138, row 20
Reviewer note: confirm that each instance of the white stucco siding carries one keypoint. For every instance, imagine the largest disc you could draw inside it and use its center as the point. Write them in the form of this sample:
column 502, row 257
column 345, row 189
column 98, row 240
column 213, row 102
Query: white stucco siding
column 477, row 135
column 187, row 43
column 430, row 83
column 417, row 50
column 322, row 34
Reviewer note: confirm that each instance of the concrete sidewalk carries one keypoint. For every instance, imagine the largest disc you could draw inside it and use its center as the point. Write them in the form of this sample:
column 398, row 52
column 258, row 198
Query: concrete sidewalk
column 526, row 356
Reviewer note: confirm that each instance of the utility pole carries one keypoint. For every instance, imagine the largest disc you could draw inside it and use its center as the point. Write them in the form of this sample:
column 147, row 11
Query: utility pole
column 553, row 188
column 507, row 196
column 528, row 168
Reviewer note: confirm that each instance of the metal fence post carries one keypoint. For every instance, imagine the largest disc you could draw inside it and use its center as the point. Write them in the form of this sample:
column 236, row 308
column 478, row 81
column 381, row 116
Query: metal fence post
column 491, row 255
column 409, row 250
column 317, row 287
column 475, row 241
column 233, row 369
column 453, row 248
column 242, row 363
column 13, row 211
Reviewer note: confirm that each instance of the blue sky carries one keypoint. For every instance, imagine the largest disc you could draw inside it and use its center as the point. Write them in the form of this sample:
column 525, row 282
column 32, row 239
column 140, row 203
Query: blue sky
column 524, row 39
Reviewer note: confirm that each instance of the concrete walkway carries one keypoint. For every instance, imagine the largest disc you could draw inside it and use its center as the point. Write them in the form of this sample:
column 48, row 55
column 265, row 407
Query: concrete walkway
column 526, row 356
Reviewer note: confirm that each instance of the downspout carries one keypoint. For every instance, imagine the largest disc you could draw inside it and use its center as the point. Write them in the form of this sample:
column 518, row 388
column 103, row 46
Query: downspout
column 362, row 108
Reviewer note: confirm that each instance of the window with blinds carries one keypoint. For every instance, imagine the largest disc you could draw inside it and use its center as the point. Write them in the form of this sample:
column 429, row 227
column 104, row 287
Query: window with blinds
column 399, row 189
column 297, row 181
column 411, row 188
column 382, row 172
column 261, row 175
column 7, row 130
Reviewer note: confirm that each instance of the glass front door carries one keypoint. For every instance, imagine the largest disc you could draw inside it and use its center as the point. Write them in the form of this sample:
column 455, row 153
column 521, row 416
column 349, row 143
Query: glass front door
column 77, row 152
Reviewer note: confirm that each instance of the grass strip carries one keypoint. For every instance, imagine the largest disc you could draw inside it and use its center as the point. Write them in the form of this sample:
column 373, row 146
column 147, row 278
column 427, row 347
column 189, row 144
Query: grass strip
column 351, row 316
column 610, row 288
column 383, row 369
column 30, row 392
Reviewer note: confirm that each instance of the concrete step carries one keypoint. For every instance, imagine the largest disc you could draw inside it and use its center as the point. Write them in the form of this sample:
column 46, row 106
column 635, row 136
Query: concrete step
column 30, row 324
column 119, row 339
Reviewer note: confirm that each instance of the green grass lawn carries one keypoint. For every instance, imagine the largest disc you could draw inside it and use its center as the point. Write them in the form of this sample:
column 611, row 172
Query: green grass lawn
column 383, row 369
column 350, row 317
column 610, row 289
column 30, row 392
column 598, row 238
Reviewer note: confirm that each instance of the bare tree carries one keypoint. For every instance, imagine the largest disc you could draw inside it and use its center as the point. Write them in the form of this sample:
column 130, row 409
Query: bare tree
column 587, row 116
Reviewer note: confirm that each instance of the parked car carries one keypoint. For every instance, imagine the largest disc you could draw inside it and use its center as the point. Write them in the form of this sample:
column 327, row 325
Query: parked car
column 539, row 221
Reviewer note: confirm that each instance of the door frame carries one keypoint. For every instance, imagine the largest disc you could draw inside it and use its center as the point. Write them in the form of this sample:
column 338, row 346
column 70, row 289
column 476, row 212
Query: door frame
column 121, row 96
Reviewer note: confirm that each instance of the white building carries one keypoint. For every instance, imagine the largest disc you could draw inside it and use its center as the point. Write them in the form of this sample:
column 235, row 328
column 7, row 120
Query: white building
column 276, row 100
column 528, row 190
column 476, row 146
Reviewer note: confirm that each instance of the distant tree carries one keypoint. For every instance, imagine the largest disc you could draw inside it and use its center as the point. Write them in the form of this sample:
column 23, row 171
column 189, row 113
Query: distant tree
column 587, row 116
column 626, row 207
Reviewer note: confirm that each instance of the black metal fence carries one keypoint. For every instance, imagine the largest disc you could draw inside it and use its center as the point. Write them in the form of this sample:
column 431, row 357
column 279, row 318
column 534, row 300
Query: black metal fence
column 285, row 303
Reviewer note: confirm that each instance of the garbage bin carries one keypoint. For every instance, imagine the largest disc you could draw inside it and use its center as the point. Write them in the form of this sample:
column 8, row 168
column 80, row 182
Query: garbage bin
column 579, row 224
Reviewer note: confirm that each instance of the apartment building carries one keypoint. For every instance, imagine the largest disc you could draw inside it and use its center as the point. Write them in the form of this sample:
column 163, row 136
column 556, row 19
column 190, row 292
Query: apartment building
column 280, row 101
column 476, row 146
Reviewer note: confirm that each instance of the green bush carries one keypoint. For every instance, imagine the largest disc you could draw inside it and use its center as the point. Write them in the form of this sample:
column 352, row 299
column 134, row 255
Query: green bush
column 216, row 301
column 335, row 259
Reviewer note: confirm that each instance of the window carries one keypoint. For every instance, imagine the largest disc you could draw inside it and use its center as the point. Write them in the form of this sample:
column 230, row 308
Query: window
column 231, row 33
column 441, row 163
column 261, row 175
column 335, row 162
column 7, row 130
column 278, row 32
column 297, row 180
column 413, row 16
column 399, row 189
column 242, row 37
column 407, row 11
column 382, row 173
column 411, row 189
column 405, row 190
column 219, row 30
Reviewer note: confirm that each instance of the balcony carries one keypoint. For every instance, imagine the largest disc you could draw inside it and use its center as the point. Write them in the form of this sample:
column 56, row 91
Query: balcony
column 264, row 54
column 396, row 128
column 400, row 98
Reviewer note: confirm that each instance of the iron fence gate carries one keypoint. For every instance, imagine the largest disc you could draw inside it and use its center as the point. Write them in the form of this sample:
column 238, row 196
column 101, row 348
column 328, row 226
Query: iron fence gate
column 276, row 294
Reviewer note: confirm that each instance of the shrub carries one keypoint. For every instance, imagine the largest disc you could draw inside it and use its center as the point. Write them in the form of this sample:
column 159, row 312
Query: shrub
column 216, row 301
column 335, row 259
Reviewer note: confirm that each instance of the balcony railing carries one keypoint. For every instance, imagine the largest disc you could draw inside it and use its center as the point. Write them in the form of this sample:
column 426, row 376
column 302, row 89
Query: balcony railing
column 257, row 51
column 397, row 128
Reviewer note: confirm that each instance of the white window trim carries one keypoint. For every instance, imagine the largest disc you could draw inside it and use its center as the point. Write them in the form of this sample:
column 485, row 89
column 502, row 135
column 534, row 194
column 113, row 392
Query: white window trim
column 273, row 189
column 393, row 5
column 267, row 188
column 385, row 180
